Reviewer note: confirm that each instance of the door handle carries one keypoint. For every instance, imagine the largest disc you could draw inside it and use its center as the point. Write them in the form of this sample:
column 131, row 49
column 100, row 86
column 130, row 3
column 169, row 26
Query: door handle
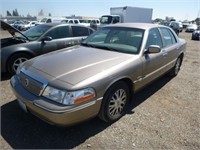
column 165, row 54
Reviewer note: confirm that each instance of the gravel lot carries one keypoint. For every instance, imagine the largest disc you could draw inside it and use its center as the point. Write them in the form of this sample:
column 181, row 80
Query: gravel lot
column 164, row 115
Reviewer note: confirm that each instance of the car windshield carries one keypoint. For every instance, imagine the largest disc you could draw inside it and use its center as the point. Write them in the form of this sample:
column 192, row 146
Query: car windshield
column 34, row 33
column 120, row 39
column 44, row 20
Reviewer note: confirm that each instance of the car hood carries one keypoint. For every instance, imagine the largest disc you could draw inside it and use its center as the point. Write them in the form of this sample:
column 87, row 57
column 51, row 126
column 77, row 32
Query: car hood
column 11, row 29
column 76, row 64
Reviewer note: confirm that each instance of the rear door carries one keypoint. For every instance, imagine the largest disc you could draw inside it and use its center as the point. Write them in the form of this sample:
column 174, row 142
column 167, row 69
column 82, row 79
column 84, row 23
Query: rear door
column 80, row 33
column 170, row 47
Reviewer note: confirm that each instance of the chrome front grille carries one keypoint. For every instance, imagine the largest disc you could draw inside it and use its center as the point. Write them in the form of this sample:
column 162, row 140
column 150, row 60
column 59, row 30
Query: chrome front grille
column 30, row 84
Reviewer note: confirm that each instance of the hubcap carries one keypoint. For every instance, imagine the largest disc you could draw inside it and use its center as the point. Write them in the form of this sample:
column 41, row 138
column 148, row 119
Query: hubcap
column 17, row 62
column 117, row 102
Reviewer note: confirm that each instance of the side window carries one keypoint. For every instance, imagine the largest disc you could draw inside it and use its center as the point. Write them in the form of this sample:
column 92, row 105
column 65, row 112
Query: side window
column 48, row 21
column 154, row 38
column 80, row 31
column 172, row 36
column 115, row 19
column 76, row 21
column 168, row 37
column 59, row 32
column 70, row 21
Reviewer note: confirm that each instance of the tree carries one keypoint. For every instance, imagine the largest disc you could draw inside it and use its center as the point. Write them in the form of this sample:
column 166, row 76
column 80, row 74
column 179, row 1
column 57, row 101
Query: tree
column 15, row 12
column 28, row 15
column 49, row 14
column 197, row 20
column 8, row 13
column 41, row 13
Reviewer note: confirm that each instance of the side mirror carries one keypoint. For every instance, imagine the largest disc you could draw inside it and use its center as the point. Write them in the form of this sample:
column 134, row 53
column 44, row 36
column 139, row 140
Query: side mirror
column 46, row 38
column 153, row 49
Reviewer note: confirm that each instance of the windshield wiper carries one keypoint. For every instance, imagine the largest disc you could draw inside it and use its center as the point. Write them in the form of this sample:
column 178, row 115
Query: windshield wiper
column 86, row 44
column 107, row 48
column 21, row 38
column 100, row 47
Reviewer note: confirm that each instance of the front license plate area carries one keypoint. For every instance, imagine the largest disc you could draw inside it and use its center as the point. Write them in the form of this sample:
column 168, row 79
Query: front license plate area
column 22, row 105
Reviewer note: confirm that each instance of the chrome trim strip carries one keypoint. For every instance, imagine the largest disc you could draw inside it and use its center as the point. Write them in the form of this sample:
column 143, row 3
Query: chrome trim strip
column 152, row 73
column 67, row 110
column 99, row 98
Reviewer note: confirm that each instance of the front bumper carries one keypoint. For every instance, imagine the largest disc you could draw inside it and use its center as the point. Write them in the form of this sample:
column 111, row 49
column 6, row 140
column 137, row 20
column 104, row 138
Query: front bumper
column 52, row 112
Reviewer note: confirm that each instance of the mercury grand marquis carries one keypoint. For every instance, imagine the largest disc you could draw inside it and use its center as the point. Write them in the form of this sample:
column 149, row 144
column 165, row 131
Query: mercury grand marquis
column 98, row 77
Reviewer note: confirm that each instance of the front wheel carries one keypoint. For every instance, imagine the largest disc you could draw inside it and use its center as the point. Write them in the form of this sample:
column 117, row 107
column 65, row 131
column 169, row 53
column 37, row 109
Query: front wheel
column 15, row 61
column 115, row 102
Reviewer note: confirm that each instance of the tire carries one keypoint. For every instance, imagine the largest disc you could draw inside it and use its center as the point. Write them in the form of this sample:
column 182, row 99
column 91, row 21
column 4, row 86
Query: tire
column 115, row 102
column 15, row 60
column 177, row 32
column 176, row 68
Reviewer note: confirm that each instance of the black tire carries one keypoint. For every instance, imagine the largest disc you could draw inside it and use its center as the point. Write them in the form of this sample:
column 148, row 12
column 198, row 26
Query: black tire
column 177, row 32
column 15, row 60
column 114, row 107
column 174, row 71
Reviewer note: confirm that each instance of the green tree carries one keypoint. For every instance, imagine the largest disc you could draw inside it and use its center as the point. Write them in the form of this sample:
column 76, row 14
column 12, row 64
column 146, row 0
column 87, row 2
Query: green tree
column 15, row 12
column 8, row 13
column 197, row 20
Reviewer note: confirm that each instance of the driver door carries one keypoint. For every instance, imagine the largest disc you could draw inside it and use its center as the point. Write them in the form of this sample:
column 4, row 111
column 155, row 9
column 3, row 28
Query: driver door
column 61, row 38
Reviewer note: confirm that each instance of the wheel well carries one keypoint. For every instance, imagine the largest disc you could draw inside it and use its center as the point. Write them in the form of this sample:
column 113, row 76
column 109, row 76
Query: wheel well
column 181, row 56
column 21, row 52
column 130, row 85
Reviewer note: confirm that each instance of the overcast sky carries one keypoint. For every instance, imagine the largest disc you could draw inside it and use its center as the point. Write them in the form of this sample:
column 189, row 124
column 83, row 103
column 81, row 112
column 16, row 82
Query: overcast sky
column 179, row 9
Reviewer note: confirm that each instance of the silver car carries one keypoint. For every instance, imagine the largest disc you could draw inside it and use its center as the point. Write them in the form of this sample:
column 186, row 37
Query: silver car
column 99, row 76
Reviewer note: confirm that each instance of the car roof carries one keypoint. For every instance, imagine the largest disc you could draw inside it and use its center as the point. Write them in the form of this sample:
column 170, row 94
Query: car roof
column 144, row 26
column 62, row 24
column 65, row 24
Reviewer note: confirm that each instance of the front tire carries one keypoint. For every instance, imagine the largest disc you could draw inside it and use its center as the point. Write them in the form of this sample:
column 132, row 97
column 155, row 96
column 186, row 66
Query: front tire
column 14, row 62
column 115, row 102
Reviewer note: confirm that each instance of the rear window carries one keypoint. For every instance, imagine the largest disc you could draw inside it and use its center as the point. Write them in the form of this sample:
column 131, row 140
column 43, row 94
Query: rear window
column 79, row 31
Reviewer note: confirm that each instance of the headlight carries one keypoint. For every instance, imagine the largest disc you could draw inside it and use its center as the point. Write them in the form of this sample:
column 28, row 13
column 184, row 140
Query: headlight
column 54, row 94
column 76, row 97
column 68, row 98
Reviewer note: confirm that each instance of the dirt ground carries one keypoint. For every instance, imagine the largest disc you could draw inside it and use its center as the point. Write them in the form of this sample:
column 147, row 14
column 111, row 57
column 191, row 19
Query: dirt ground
column 164, row 115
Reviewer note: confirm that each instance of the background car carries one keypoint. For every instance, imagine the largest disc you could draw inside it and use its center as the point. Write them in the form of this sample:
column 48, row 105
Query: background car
column 191, row 28
column 17, row 24
column 37, row 41
column 196, row 34
column 71, row 21
column 176, row 26
column 27, row 25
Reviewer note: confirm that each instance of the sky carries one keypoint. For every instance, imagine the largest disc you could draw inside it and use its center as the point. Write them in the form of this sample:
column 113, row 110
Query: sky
column 179, row 9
